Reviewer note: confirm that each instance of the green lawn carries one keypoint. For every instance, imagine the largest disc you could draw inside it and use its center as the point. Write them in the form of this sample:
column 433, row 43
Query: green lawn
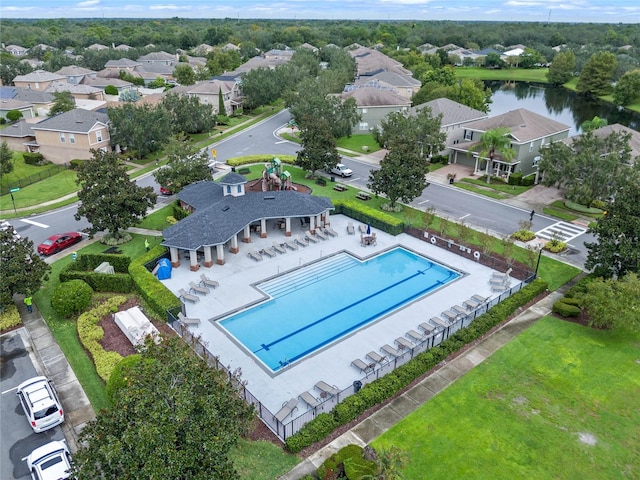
column 261, row 460
column 356, row 142
column 538, row 75
column 158, row 219
column 521, row 413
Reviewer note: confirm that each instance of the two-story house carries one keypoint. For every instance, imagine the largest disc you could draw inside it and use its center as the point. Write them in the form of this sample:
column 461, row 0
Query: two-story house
column 72, row 135
column 38, row 80
column 528, row 132
column 374, row 103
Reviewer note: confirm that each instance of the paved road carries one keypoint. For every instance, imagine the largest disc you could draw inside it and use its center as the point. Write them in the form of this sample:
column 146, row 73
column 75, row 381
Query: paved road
column 18, row 440
column 478, row 211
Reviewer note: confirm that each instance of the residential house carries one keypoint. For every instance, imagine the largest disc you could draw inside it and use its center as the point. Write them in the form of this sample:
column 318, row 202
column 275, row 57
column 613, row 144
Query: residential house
column 19, row 136
column 528, row 133
column 374, row 103
column 404, row 85
column 34, row 63
column 16, row 50
column 123, row 47
column 9, row 104
column 370, row 62
column 32, row 103
column 454, row 117
column 78, row 92
column 158, row 57
column 207, row 92
column 38, row 80
column 72, row 135
column 603, row 132
column 123, row 64
column 75, row 74
column 102, row 82
column 97, row 47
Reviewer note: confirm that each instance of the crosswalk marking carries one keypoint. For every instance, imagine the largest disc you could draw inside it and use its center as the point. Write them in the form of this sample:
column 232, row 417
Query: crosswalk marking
column 563, row 231
column 36, row 224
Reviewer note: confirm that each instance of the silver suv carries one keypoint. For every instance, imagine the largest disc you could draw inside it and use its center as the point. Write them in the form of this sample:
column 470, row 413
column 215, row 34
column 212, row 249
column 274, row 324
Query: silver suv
column 51, row 461
column 40, row 403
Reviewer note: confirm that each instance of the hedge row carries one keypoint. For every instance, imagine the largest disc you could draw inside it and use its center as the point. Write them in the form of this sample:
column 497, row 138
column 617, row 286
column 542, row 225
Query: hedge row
column 91, row 333
column 249, row 159
column 155, row 293
column 387, row 386
column 82, row 269
column 371, row 216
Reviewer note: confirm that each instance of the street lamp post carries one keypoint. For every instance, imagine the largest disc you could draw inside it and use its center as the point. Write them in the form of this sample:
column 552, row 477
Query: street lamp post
column 538, row 262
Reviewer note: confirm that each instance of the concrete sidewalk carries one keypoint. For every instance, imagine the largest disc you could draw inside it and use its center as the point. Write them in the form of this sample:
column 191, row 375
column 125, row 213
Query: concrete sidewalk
column 379, row 422
column 51, row 362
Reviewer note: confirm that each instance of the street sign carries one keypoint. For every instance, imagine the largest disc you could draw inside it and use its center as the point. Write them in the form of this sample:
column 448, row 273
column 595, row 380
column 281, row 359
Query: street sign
column 213, row 153
column 13, row 190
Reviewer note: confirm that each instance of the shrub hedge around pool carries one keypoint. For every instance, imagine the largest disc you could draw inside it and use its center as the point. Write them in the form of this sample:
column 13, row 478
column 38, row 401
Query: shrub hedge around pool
column 385, row 387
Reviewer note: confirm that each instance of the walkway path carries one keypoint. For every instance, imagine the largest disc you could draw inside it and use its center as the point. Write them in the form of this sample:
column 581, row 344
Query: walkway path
column 372, row 427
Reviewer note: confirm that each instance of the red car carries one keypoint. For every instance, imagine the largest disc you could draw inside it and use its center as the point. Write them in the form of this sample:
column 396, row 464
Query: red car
column 58, row 242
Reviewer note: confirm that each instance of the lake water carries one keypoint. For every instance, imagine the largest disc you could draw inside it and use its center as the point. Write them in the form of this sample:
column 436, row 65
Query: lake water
column 557, row 103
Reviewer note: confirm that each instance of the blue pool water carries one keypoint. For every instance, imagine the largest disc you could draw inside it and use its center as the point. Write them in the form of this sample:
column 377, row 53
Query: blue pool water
column 314, row 306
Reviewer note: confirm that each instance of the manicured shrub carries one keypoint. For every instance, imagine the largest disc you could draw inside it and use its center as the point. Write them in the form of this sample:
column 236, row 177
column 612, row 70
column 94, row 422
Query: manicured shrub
column 555, row 246
column 111, row 90
column 565, row 309
column 251, row 159
column 90, row 334
column 13, row 115
column 118, row 377
column 244, row 171
column 528, row 181
column 523, row 235
column 75, row 163
column 348, row 462
column 599, row 204
column 515, row 178
column 31, row 158
column 71, row 297
column 570, row 301
column 9, row 318
column 179, row 213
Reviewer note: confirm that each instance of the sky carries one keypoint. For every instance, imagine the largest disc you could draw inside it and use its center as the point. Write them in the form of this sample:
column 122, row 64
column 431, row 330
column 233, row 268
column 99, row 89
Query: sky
column 595, row 11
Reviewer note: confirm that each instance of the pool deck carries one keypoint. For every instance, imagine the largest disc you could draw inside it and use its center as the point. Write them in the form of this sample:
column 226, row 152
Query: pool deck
column 332, row 363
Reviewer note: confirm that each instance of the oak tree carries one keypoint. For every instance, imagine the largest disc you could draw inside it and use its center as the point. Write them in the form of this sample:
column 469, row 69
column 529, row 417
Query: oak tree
column 186, row 164
column 108, row 198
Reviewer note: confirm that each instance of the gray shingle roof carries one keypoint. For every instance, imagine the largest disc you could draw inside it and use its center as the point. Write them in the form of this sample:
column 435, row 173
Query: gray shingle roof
column 366, row 96
column 524, row 125
column 217, row 217
column 453, row 113
column 39, row 76
column 33, row 96
column 76, row 121
column 122, row 63
column 19, row 129
column 72, row 70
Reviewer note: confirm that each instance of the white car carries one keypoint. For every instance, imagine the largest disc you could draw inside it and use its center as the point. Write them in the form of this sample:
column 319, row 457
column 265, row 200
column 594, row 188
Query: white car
column 40, row 403
column 340, row 169
column 51, row 461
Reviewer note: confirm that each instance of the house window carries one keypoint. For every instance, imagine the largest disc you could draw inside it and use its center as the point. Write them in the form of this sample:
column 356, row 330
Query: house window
column 72, row 138
column 364, row 126
column 364, row 110
column 99, row 136
column 62, row 138
column 37, row 86
column 239, row 188
column 531, row 147
column 468, row 135
column 228, row 188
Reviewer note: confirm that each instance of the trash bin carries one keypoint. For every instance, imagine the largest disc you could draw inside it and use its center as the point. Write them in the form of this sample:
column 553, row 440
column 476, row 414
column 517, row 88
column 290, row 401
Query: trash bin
column 451, row 181
column 333, row 179
column 357, row 385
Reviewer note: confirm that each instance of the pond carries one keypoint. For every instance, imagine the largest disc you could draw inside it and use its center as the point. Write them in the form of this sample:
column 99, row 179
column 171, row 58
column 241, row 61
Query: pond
column 557, row 103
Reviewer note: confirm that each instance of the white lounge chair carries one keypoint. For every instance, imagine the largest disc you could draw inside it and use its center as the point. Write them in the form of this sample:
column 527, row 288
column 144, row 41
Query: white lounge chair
column 291, row 244
column 302, row 241
column 187, row 297
column 321, row 234
column 278, row 248
column 351, row 230
column 287, row 408
column 438, row 323
column 377, row 358
column 363, row 366
column 415, row 336
column 198, row 289
column 404, row 344
column 208, row 282
column 310, row 237
column 427, row 327
column 188, row 320
column 330, row 231
column 458, row 309
column 363, row 228
column 269, row 252
column 326, row 390
column 389, row 350
column 479, row 298
column 471, row 304
column 449, row 315
column 309, row 399
column 255, row 255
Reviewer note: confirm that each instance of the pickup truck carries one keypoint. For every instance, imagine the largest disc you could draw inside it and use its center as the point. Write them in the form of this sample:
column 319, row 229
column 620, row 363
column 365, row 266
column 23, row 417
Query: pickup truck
column 339, row 169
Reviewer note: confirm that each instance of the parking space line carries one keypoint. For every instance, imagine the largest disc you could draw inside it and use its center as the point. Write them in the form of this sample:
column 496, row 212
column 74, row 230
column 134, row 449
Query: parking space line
column 36, row 224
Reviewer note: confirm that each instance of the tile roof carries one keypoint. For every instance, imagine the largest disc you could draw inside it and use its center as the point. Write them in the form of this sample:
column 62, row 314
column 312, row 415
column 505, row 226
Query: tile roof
column 76, row 121
column 524, row 125
column 217, row 217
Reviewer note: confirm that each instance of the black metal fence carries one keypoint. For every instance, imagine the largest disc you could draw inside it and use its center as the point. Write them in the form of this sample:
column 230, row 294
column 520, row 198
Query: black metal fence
column 50, row 171
column 284, row 430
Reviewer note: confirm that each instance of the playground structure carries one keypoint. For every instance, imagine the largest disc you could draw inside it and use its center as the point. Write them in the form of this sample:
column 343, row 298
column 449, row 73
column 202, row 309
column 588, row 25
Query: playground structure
column 274, row 177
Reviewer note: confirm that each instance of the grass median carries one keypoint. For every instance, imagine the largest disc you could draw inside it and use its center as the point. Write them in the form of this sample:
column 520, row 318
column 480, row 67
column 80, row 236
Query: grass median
column 559, row 401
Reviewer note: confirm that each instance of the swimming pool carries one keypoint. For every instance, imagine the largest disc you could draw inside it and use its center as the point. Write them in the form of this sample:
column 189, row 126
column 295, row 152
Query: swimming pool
column 311, row 307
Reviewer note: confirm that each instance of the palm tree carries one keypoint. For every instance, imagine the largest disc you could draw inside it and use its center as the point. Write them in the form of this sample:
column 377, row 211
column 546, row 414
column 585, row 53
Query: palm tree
column 492, row 142
column 593, row 124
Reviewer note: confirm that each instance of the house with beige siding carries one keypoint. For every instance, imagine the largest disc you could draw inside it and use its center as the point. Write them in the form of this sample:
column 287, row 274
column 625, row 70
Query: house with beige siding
column 72, row 135
column 19, row 136
column 207, row 92
column 38, row 80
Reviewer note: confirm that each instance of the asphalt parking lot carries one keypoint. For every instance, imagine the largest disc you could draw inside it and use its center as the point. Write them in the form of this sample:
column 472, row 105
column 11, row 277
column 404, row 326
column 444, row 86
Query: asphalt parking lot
column 16, row 436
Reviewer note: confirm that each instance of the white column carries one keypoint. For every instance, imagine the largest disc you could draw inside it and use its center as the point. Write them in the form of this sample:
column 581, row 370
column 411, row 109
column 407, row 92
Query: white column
column 263, row 228
column 234, row 244
column 208, row 262
column 220, row 254
column 287, row 222
column 193, row 257
column 175, row 257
